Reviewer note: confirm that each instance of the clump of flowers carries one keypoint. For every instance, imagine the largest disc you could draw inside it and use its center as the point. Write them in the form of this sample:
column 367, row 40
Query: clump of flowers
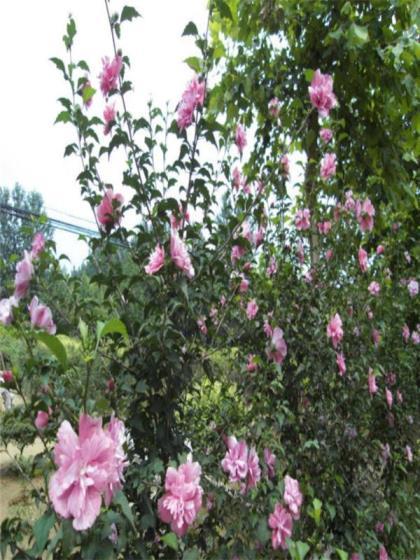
column 192, row 98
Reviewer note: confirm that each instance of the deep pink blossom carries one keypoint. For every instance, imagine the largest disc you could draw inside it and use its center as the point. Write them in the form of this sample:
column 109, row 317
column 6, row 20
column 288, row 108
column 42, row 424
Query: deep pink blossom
column 363, row 259
column 278, row 347
column 24, row 271
column 324, row 227
column 41, row 420
column 6, row 311
column 328, row 166
column 389, row 398
column 89, row 465
column 251, row 309
column 235, row 462
column 156, row 260
column 270, row 461
column 182, row 500
column 335, row 330
column 413, row 287
column 180, row 256
column 274, row 107
column 374, row 288
column 341, row 363
column 281, row 523
column 192, row 98
column 240, row 138
column 292, row 496
column 303, row 219
column 329, row 253
column 251, row 365
column 109, row 210
column 41, row 316
column 373, row 388
column 7, row 376
column 365, row 215
column 254, row 470
column 326, row 135
column 38, row 244
column 321, row 93
column 110, row 73
column 380, row 249
column 109, row 118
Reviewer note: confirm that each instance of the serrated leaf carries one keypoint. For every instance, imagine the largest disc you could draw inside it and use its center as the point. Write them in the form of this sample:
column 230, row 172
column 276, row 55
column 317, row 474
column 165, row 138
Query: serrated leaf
column 55, row 345
column 170, row 540
column 190, row 29
column 128, row 13
column 112, row 326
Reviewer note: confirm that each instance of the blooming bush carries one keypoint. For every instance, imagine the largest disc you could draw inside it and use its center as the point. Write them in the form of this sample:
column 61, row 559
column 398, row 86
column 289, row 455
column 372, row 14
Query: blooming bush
column 217, row 319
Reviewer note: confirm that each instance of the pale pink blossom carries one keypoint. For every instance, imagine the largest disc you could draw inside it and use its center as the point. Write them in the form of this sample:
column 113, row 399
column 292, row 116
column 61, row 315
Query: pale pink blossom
column 6, row 311
column 237, row 252
column 156, row 260
column 380, row 249
column 374, row 288
column 235, row 462
column 328, row 166
column 113, row 536
column 274, row 107
column 363, row 259
column 110, row 74
column 415, row 337
column 192, row 98
column 176, row 222
column 270, row 461
column 180, row 504
column 251, row 309
column 335, row 330
column 376, row 337
column 292, row 496
column 409, row 453
column 89, row 466
column 267, row 328
column 38, row 245
column 326, row 135
column 108, row 211
column 373, row 388
column 350, row 203
column 300, row 252
column 278, row 347
column 109, row 118
column 24, row 272
column 272, row 267
column 413, row 287
column 244, row 285
column 237, row 178
column 365, row 215
column 285, row 163
column 254, row 470
column 406, row 333
column 41, row 420
column 379, row 527
column 383, row 555
column 303, row 219
column 281, row 523
column 41, row 316
column 201, row 323
column 341, row 363
column 251, row 366
column 180, row 256
column 389, row 398
column 240, row 138
column 324, row 227
column 321, row 93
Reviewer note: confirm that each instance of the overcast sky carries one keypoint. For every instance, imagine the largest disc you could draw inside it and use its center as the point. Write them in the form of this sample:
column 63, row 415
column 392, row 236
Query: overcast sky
column 31, row 147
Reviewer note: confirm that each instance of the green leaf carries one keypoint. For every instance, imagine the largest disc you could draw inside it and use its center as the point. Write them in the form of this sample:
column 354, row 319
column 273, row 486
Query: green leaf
column 194, row 62
column 128, row 13
column 54, row 344
column 63, row 117
column 112, row 326
column 342, row 554
column 42, row 529
column 190, row 29
column 59, row 64
column 121, row 500
column 170, row 540
column 224, row 9
column 357, row 35
column 87, row 93
column 192, row 554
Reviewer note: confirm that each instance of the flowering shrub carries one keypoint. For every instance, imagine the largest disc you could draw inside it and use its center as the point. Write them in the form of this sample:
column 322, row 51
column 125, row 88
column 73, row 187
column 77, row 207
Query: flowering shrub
column 218, row 319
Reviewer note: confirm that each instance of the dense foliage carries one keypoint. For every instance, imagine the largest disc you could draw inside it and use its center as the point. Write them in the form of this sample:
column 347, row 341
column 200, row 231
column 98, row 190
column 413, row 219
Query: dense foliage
column 257, row 338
